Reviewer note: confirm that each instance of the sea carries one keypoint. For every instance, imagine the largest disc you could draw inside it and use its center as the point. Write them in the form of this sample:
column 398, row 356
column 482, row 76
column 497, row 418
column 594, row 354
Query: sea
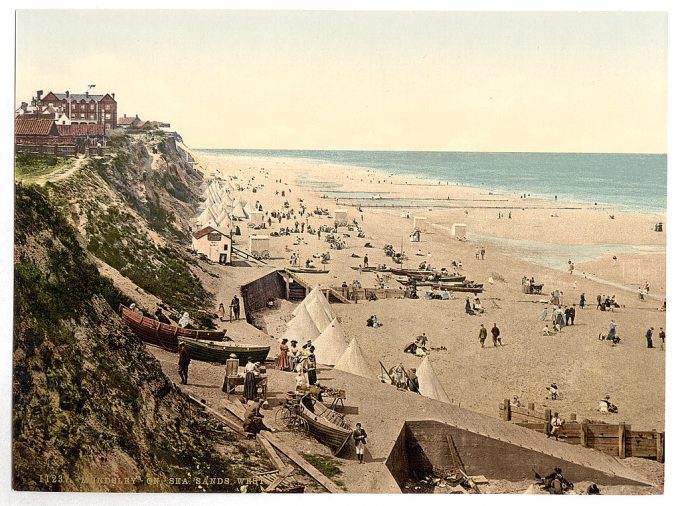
column 624, row 181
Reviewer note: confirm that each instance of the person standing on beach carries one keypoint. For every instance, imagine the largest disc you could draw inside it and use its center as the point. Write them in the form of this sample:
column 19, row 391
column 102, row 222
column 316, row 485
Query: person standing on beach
column 599, row 301
column 482, row 252
column 482, row 335
column 220, row 312
column 648, row 335
column 184, row 361
column 496, row 335
column 582, row 301
column 235, row 307
column 662, row 336
column 360, row 438
column 365, row 261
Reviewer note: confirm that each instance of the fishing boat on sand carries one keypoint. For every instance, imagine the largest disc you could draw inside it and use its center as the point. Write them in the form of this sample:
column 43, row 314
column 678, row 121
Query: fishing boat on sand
column 324, row 424
column 307, row 270
column 163, row 335
column 218, row 352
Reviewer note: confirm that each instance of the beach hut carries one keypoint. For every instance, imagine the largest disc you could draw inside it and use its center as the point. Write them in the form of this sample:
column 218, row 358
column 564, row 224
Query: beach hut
column 330, row 345
column 301, row 328
column 212, row 243
column 354, row 361
column 340, row 216
column 256, row 218
column 420, row 223
column 259, row 246
column 428, row 383
column 459, row 231
column 237, row 211
column 318, row 314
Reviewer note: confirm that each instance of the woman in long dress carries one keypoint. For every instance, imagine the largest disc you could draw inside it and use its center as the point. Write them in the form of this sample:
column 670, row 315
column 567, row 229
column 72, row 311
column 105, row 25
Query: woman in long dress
column 250, row 381
column 282, row 360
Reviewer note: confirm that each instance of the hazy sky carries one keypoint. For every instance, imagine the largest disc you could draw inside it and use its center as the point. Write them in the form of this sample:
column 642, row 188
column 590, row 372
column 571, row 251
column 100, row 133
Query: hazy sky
column 365, row 80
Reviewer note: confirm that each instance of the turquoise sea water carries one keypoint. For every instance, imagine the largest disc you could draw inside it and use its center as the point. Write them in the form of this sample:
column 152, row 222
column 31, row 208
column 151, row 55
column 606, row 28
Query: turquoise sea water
column 626, row 181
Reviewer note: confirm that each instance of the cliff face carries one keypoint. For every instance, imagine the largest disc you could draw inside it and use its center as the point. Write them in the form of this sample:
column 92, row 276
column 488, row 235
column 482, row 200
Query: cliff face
column 92, row 408
column 132, row 208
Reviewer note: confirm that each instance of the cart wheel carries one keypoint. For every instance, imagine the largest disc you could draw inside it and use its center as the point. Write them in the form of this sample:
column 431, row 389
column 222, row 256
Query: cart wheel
column 256, row 254
column 301, row 425
column 283, row 417
column 265, row 254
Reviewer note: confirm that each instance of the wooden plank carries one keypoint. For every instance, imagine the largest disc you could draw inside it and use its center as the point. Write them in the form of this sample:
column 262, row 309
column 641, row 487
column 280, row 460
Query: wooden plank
column 306, row 466
column 282, row 476
column 232, row 425
column 271, row 453
column 622, row 440
column 660, row 436
column 507, row 412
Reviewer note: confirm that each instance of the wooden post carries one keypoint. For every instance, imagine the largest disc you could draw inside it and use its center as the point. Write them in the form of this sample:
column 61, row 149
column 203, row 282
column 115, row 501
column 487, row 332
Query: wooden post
column 660, row 446
column 548, row 416
column 506, row 410
column 531, row 406
column 584, row 434
column 622, row 440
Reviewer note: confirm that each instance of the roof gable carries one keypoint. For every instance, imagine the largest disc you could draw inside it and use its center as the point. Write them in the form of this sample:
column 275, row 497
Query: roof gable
column 205, row 231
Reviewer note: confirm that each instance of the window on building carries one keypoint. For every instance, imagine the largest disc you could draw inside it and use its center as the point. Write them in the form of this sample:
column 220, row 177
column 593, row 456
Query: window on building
column 82, row 114
column 107, row 107
column 91, row 116
column 108, row 116
column 214, row 236
column 226, row 247
column 91, row 107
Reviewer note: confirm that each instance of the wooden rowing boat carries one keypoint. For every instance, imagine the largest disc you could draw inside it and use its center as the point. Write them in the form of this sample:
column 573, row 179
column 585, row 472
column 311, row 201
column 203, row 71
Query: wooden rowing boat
column 218, row 352
column 324, row 424
column 305, row 270
column 426, row 282
column 163, row 334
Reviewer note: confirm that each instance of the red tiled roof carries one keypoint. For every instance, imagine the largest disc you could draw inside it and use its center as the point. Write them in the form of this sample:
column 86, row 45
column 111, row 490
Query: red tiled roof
column 204, row 231
column 23, row 126
column 83, row 130
column 125, row 121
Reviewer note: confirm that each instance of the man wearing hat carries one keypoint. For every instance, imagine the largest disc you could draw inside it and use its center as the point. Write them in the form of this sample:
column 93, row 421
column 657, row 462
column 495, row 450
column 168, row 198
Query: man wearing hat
column 648, row 335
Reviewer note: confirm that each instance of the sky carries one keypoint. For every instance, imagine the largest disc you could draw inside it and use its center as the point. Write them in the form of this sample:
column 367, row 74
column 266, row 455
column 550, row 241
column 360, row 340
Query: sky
column 439, row 81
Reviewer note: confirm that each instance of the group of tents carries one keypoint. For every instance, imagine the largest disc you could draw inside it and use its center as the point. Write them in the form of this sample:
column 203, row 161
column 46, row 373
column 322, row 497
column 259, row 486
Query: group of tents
column 314, row 320
column 221, row 207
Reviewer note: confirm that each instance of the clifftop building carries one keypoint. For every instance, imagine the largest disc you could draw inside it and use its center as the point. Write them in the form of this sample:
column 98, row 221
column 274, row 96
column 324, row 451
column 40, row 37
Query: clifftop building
column 75, row 108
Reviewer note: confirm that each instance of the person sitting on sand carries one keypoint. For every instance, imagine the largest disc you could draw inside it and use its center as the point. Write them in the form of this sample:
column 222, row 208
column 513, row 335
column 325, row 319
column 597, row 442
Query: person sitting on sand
column 185, row 321
column 160, row 316
column 553, row 391
column 468, row 307
column 555, row 426
column 547, row 331
column 515, row 402
column 252, row 419
column 133, row 307
column 606, row 406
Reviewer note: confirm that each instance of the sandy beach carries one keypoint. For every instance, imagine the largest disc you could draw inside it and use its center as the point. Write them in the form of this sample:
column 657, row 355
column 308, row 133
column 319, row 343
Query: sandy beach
column 585, row 368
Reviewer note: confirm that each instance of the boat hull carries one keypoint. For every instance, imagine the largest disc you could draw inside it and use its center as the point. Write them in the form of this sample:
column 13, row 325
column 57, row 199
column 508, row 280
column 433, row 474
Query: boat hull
column 328, row 432
column 218, row 353
column 162, row 334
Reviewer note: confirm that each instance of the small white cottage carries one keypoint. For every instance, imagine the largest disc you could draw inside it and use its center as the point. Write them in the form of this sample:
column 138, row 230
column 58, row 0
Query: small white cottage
column 212, row 243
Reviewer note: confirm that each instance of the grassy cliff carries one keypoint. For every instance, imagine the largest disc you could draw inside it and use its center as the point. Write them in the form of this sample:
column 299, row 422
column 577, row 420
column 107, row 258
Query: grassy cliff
column 92, row 409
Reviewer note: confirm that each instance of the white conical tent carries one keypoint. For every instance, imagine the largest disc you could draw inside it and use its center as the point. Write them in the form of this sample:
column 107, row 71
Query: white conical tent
column 428, row 383
column 319, row 316
column 331, row 344
column 354, row 361
column 319, row 296
column 301, row 328
column 238, row 212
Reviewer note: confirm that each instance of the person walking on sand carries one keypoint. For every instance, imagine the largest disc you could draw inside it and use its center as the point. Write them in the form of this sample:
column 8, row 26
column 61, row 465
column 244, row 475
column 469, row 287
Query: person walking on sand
column 360, row 439
column 582, row 301
column 482, row 252
column 365, row 261
column 544, row 314
column 648, row 335
column 482, row 335
column 220, row 312
column 599, row 301
column 235, row 308
column 184, row 360
column 662, row 337
column 496, row 335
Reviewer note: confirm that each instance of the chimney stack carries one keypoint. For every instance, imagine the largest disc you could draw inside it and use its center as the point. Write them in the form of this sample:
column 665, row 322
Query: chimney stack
column 87, row 93
column 67, row 94
column 113, row 96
